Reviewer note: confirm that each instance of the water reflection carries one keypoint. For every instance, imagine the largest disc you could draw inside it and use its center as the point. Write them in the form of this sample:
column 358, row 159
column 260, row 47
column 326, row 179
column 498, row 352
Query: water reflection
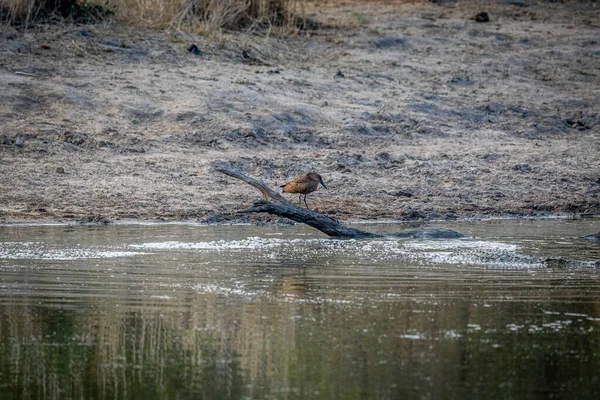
column 310, row 319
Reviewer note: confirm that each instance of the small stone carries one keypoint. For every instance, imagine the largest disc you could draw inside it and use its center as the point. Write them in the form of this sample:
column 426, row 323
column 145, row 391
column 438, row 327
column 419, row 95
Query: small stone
column 339, row 74
column 19, row 142
column 60, row 170
column 482, row 17
column 248, row 55
column 194, row 50
column 595, row 237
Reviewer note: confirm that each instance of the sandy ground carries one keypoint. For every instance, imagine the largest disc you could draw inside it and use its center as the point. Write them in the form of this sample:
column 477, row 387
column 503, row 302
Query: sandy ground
column 436, row 115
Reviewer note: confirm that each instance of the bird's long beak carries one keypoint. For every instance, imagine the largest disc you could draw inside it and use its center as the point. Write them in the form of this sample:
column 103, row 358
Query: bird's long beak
column 321, row 180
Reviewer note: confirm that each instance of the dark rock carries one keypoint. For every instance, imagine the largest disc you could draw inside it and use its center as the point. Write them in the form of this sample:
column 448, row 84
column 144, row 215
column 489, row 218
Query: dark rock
column 19, row 142
column 594, row 237
column 6, row 140
column 248, row 55
column 482, row 17
column 194, row 50
column 60, row 170
column 339, row 74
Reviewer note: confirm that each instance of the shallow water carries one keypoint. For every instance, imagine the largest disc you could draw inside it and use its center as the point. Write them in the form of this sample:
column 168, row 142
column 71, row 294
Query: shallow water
column 244, row 312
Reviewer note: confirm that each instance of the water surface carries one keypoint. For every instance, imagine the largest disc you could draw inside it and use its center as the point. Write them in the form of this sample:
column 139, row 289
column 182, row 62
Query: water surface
column 244, row 312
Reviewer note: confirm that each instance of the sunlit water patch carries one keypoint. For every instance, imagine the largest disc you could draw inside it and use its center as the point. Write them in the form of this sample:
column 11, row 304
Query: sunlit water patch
column 425, row 252
column 462, row 251
column 39, row 251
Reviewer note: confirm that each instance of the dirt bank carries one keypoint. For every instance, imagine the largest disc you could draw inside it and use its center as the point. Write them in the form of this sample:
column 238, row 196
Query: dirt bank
column 432, row 115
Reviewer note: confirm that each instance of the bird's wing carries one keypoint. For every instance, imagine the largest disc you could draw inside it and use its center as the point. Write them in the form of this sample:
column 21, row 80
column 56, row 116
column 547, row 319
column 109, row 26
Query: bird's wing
column 302, row 179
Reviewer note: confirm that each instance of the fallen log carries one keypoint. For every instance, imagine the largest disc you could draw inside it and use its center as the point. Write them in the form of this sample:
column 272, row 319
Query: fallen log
column 274, row 203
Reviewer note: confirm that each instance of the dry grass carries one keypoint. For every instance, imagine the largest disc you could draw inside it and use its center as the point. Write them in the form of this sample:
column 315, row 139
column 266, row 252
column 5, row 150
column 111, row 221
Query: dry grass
column 25, row 12
column 194, row 15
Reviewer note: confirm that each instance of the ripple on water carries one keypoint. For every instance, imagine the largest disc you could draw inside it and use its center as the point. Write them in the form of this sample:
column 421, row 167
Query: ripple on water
column 421, row 252
column 39, row 251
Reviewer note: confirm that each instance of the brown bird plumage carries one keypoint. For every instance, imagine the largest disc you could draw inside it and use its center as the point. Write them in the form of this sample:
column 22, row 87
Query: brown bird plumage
column 304, row 184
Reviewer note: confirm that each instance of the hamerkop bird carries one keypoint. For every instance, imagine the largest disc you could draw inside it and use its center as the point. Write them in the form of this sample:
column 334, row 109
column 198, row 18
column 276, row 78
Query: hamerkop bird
column 304, row 184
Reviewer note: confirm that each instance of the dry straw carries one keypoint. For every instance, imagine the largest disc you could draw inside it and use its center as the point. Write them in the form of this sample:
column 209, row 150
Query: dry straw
column 196, row 15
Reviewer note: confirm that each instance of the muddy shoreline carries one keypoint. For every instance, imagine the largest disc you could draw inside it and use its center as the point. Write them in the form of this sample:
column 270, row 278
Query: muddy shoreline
column 433, row 116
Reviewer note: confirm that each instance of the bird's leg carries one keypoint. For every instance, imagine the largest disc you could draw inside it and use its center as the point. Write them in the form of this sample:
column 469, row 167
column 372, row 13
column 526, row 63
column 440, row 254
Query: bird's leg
column 305, row 202
column 300, row 199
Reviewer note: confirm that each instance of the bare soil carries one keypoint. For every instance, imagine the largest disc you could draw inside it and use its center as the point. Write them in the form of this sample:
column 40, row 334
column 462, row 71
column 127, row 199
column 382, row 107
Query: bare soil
column 432, row 115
